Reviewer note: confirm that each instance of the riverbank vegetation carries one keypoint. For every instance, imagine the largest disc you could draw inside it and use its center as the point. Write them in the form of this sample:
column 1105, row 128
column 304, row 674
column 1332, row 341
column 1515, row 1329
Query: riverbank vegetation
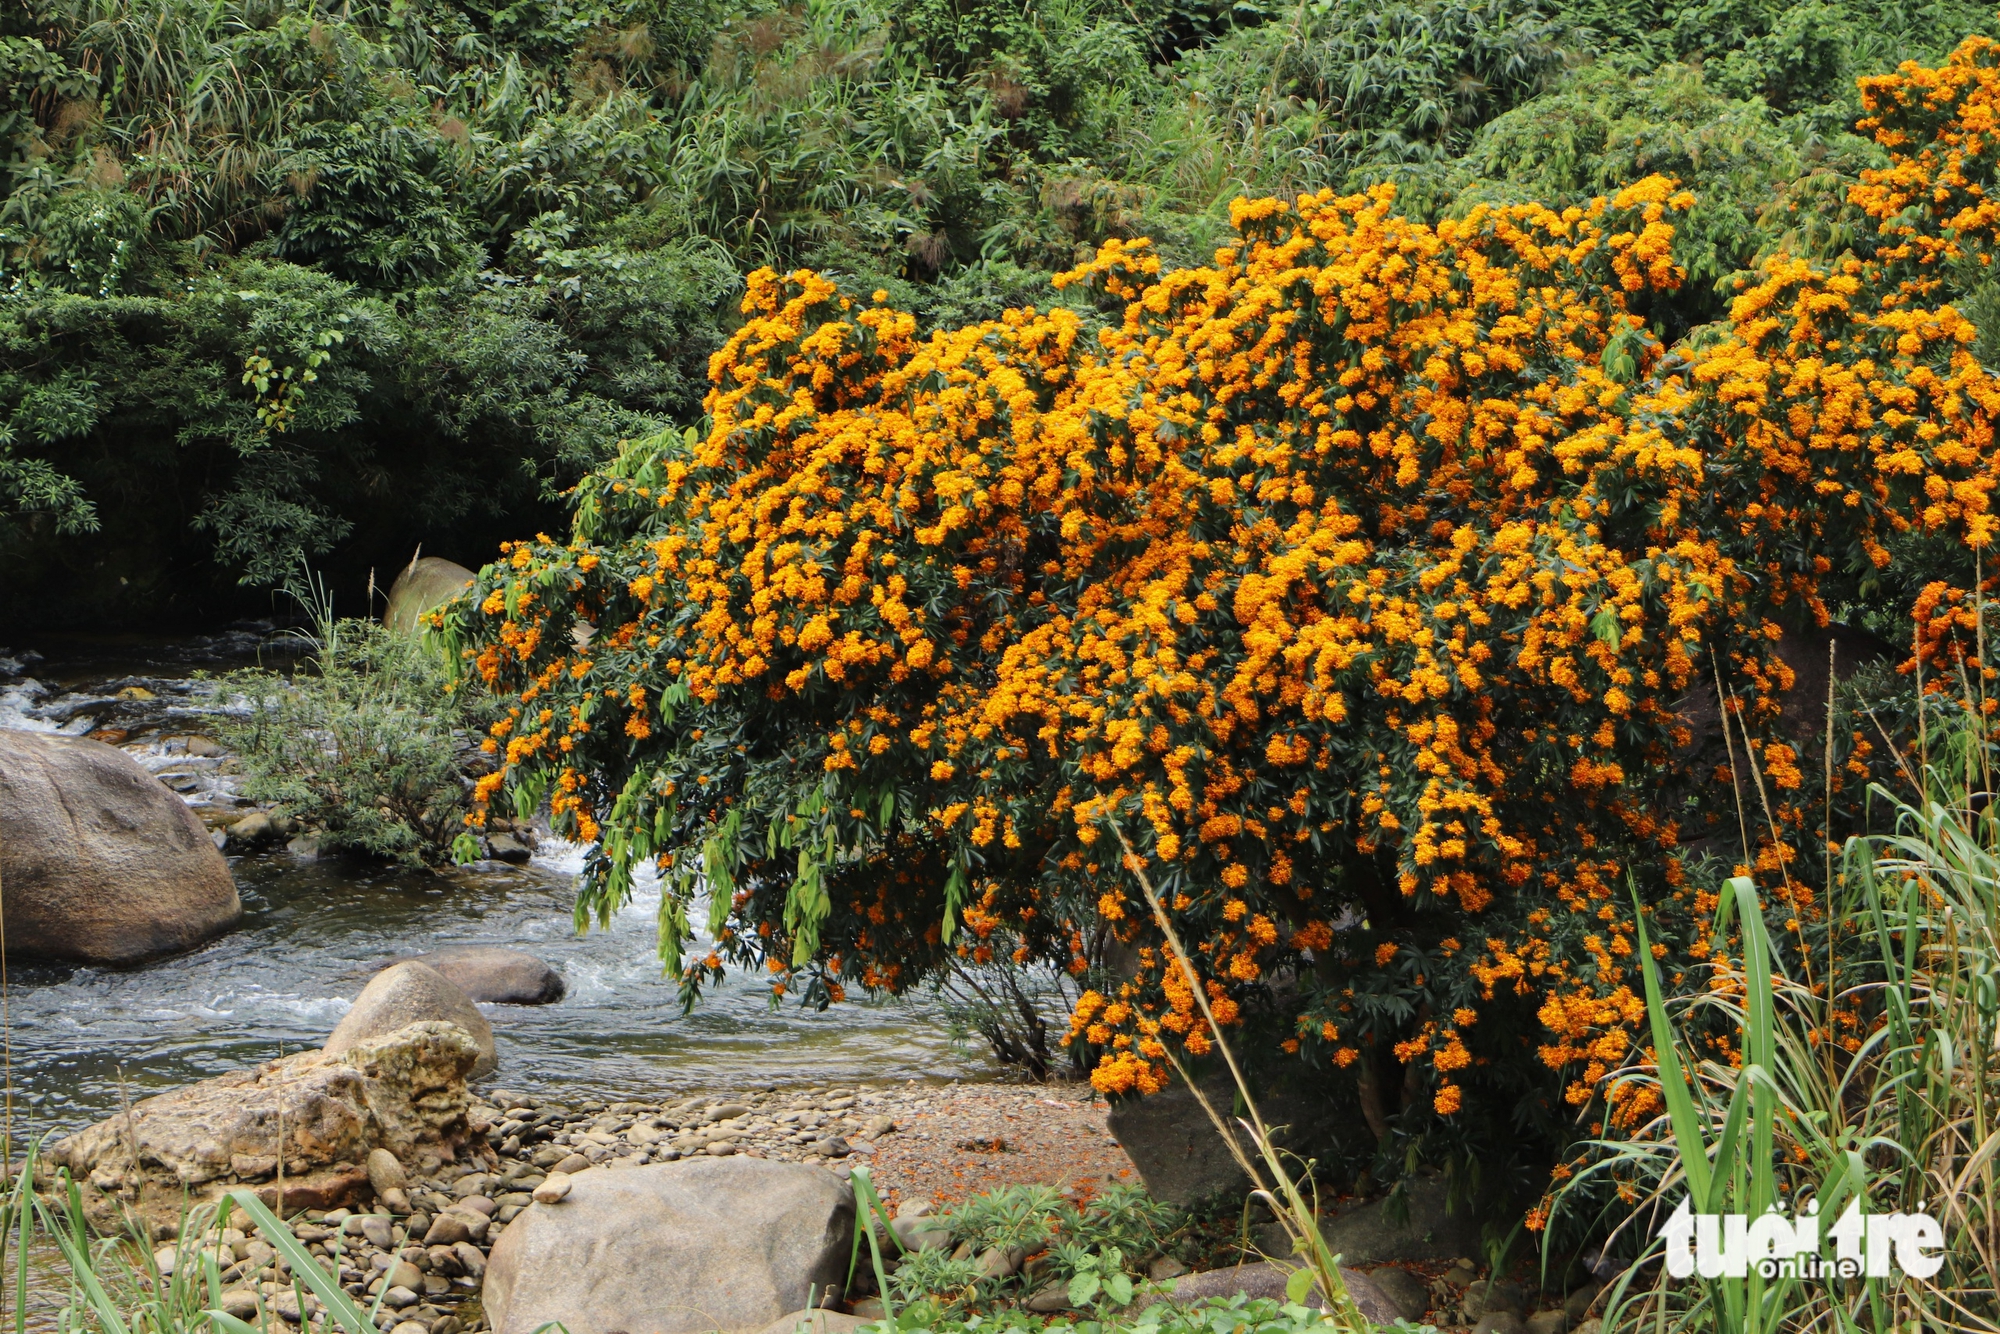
column 284, row 278
column 1402, row 594
column 364, row 740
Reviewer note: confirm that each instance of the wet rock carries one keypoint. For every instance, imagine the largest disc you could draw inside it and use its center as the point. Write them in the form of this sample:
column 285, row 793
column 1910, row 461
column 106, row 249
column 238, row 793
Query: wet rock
column 509, row 849
column 253, row 831
column 676, row 1248
column 101, row 863
column 412, row 993
column 494, row 975
column 404, row 1092
column 424, row 584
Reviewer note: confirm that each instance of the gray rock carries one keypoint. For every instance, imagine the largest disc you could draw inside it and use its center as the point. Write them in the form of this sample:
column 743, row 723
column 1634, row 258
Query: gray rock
column 1503, row 1296
column 1369, row 1234
column 424, row 584
column 101, row 863
column 922, row 1233
column 1404, row 1289
column 1579, row 1302
column 285, row 1305
column 448, row 1229
column 1179, row 1153
column 305, row 847
column 495, row 975
column 1054, row 1297
column 241, row 1303
column 1547, row 1322
column 412, row 993
column 378, row 1230
column 1268, row 1280
column 679, row 1248
column 399, row 1297
column 470, row 1259
column 1498, row 1322
column 507, row 848
column 1164, row 1269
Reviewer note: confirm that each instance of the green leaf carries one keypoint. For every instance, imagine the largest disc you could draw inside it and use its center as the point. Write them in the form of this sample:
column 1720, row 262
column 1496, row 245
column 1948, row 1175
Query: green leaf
column 1298, row 1286
column 1083, row 1288
column 1118, row 1287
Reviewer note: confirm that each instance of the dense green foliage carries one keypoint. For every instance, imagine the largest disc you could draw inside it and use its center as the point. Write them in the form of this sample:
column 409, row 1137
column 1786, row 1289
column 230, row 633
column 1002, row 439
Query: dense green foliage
column 283, row 278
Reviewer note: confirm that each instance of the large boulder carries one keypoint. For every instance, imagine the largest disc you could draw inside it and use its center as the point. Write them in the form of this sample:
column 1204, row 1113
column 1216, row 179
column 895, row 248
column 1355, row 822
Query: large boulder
column 423, row 584
column 675, row 1248
column 403, row 1092
column 1422, row 1225
column 1181, row 1156
column 101, row 863
column 494, row 975
column 410, row 993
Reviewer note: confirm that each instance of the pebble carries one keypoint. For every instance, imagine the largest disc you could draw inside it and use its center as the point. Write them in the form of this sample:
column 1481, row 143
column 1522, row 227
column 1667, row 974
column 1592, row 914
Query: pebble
column 553, row 1188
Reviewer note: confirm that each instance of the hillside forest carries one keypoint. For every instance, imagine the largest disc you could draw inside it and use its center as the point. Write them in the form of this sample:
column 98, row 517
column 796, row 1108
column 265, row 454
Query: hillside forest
column 287, row 281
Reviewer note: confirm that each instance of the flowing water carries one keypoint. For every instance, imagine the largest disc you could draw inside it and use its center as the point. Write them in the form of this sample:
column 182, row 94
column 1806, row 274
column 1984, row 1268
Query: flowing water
column 85, row 1039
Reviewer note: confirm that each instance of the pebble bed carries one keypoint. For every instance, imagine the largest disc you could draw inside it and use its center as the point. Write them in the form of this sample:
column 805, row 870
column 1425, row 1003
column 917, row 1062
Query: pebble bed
column 938, row 1142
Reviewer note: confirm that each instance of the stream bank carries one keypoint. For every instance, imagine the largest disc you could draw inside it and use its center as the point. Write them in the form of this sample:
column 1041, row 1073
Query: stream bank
column 87, row 1040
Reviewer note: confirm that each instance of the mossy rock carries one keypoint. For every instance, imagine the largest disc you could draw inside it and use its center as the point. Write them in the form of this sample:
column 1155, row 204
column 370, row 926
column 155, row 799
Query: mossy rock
column 423, row 585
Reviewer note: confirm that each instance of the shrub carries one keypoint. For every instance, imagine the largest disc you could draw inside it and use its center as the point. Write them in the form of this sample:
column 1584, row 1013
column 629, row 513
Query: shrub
column 363, row 741
column 1357, row 578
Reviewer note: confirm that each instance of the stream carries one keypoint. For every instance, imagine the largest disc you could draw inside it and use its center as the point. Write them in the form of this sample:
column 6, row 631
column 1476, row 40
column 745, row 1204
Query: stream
column 83, row 1040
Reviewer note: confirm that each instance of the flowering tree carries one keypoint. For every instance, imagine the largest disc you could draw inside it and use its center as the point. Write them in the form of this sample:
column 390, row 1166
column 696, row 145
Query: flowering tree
column 1356, row 579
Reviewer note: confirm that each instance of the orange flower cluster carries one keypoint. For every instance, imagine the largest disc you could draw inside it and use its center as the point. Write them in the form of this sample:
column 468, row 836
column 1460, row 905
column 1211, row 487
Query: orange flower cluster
column 1355, row 578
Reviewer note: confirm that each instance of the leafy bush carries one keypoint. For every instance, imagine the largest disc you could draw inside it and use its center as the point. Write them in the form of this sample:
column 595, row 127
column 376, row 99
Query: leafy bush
column 362, row 742
column 1356, row 578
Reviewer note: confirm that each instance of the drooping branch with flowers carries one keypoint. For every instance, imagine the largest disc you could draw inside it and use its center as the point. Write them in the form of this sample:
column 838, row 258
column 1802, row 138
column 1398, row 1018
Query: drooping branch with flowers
column 1361, row 576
